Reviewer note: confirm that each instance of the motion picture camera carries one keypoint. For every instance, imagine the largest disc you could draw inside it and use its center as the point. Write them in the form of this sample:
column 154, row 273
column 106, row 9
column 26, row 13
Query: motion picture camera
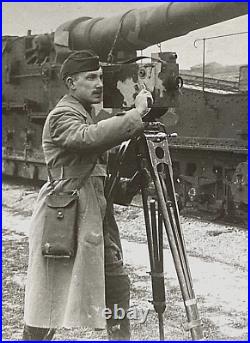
column 123, row 81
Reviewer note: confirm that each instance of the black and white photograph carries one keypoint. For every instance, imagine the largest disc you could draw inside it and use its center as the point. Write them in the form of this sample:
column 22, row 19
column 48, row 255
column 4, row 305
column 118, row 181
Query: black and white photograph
column 124, row 171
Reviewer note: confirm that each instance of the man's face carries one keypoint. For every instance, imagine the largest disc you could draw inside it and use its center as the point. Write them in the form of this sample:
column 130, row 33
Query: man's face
column 88, row 86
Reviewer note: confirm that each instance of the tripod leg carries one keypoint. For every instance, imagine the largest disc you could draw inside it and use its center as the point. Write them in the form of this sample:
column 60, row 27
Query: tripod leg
column 161, row 326
column 190, row 306
column 157, row 275
column 148, row 226
column 160, row 171
column 155, row 248
column 169, row 197
column 156, row 263
column 181, row 265
column 113, row 179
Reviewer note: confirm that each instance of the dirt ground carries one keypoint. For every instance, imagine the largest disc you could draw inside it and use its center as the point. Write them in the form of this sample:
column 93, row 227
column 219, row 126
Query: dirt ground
column 217, row 256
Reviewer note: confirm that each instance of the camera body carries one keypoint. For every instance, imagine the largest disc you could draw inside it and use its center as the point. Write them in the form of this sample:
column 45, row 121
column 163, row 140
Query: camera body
column 122, row 82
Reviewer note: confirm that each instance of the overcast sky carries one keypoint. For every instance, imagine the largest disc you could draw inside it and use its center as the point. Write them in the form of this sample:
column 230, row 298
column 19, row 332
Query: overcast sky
column 45, row 17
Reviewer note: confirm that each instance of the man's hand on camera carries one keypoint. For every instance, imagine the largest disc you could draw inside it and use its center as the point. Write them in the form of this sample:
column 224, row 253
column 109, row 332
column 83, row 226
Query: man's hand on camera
column 141, row 102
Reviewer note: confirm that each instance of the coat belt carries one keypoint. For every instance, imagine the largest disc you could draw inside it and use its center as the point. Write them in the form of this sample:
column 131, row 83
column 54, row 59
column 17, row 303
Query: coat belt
column 71, row 172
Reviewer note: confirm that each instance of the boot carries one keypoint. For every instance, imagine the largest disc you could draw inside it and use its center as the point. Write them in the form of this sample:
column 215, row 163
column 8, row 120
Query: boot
column 118, row 330
column 31, row 333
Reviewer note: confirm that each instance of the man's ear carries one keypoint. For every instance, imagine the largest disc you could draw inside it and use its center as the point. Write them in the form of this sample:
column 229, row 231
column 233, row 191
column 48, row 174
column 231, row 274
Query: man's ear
column 70, row 83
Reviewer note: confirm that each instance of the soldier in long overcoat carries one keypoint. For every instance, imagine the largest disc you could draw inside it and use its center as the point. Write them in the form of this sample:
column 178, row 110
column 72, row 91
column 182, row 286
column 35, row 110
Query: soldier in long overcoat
column 71, row 292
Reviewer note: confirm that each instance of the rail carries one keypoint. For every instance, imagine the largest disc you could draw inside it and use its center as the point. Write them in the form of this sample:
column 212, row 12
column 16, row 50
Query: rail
column 210, row 82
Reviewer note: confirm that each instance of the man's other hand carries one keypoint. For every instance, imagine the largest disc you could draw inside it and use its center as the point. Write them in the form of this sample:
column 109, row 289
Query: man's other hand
column 142, row 102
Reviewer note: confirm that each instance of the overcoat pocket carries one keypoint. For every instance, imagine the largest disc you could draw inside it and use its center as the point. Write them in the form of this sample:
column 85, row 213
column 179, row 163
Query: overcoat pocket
column 60, row 227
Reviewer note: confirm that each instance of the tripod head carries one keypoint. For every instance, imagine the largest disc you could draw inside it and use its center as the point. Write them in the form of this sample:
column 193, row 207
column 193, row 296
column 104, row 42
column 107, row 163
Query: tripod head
column 157, row 130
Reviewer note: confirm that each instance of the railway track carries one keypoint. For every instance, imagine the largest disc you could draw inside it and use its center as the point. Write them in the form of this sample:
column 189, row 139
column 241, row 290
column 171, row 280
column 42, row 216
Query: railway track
column 210, row 82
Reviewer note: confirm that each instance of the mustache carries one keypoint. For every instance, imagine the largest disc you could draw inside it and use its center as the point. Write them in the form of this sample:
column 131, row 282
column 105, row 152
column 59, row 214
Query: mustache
column 99, row 92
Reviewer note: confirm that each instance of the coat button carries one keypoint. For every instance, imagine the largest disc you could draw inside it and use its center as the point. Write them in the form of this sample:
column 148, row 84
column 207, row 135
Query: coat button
column 59, row 214
column 47, row 247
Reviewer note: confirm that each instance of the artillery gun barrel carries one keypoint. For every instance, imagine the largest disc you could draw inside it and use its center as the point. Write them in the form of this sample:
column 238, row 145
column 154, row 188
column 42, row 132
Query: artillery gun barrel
column 138, row 29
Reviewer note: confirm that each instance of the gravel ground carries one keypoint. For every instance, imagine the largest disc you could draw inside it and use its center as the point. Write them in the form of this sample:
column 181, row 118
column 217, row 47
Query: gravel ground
column 217, row 257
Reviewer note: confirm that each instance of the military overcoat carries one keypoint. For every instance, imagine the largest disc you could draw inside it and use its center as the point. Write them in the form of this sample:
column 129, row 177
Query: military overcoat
column 71, row 293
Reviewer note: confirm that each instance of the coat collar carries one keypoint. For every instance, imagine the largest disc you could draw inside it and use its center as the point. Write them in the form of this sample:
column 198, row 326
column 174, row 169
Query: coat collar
column 69, row 100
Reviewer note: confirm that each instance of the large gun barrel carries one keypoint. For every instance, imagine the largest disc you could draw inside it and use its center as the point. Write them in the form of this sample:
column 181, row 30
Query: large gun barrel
column 138, row 29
